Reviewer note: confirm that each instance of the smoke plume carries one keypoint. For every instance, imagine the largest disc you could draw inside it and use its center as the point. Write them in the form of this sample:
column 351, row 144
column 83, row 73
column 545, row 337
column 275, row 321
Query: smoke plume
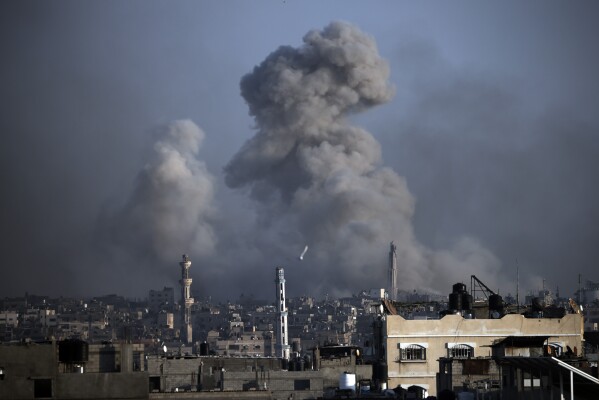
column 169, row 208
column 318, row 179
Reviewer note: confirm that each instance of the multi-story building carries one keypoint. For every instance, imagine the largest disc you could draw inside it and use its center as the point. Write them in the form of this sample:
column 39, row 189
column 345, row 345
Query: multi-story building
column 161, row 299
column 412, row 348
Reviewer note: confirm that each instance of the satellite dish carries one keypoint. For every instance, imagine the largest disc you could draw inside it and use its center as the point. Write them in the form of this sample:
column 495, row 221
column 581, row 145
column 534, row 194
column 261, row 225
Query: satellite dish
column 164, row 349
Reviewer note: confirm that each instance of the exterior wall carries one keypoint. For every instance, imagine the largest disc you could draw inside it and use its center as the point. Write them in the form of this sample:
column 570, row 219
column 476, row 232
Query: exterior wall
column 24, row 365
column 102, row 386
column 477, row 375
column 109, row 358
column 435, row 335
column 21, row 364
column 246, row 374
column 204, row 372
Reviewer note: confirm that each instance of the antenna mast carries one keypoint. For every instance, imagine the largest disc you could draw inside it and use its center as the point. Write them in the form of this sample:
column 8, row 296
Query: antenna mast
column 517, row 286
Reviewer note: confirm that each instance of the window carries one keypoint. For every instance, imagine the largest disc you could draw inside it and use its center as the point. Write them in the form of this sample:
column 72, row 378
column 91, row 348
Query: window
column 412, row 352
column 301, row 384
column 461, row 351
column 42, row 388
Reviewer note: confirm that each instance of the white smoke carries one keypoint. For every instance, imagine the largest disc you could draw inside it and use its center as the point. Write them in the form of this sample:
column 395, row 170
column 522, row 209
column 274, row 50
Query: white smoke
column 169, row 209
column 315, row 176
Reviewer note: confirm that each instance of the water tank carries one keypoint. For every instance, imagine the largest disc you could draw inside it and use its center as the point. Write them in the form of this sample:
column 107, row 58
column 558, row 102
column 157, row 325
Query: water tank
column 347, row 381
column 301, row 365
column 455, row 301
column 466, row 301
column 295, row 346
column 496, row 303
column 73, row 351
column 537, row 304
column 459, row 288
column 204, row 349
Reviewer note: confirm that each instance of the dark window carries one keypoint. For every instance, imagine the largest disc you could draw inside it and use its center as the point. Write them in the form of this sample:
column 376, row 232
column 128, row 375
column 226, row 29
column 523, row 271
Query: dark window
column 42, row 388
column 301, row 384
column 154, row 384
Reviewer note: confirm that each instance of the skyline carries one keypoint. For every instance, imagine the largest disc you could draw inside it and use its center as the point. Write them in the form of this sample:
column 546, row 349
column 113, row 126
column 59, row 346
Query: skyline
column 128, row 142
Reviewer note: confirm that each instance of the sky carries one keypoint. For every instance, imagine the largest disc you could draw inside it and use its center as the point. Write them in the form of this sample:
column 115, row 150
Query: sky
column 239, row 132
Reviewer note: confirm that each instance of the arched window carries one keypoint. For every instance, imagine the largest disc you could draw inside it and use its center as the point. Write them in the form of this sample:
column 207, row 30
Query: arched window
column 461, row 351
column 413, row 352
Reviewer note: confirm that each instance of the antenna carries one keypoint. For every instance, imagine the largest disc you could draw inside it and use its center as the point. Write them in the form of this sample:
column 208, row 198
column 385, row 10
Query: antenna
column 579, row 288
column 517, row 286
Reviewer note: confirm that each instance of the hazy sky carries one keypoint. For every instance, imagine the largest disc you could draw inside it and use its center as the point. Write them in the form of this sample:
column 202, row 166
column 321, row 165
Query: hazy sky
column 466, row 132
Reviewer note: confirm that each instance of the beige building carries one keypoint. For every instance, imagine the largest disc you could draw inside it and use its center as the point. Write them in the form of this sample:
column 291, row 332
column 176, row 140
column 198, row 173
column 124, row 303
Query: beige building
column 413, row 347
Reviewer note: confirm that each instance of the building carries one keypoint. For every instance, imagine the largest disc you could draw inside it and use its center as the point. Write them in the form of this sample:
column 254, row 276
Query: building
column 411, row 348
column 161, row 299
column 521, row 367
column 72, row 370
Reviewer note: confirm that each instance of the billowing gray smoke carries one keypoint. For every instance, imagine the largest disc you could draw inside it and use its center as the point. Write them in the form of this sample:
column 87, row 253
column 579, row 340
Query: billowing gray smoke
column 167, row 213
column 318, row 179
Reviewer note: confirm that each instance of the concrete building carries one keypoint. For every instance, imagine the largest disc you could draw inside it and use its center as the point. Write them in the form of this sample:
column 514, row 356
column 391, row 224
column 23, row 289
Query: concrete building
column 161, row 299
column 43, row 370
column 236, row 377
column 9, row 318
column 521, row 367
column 411, row 348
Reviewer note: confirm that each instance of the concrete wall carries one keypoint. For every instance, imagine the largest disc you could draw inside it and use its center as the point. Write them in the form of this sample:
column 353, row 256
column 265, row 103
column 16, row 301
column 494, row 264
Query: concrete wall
column 23, row 363
column 436, row 334
column 27, row 365
column 102, row 386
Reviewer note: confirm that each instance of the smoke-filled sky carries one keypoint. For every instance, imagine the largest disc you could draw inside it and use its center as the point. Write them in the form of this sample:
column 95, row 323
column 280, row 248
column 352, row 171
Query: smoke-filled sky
column 240, row 132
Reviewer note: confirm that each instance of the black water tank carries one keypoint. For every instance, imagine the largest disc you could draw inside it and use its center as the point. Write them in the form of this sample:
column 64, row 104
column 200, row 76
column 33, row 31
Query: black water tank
column 204, row 349
column 466, row 301
column 455, row 301
column 459, row 288
column 537, row 304
column 307, row 362
column 496, row 303
column 73, row 351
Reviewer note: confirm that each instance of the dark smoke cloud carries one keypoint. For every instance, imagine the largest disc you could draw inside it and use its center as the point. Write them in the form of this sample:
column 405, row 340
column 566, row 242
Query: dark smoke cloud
column 484, row 161
column 318, row 179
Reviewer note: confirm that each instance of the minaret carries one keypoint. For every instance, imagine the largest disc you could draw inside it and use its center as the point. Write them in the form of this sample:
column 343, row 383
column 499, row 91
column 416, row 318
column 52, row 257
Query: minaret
column 282, row 346
column 186, row 300
column 392, row 276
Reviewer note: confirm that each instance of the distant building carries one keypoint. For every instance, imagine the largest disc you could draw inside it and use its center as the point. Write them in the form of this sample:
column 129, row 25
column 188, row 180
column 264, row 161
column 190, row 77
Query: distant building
column 161, row 299
column 9, row 318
